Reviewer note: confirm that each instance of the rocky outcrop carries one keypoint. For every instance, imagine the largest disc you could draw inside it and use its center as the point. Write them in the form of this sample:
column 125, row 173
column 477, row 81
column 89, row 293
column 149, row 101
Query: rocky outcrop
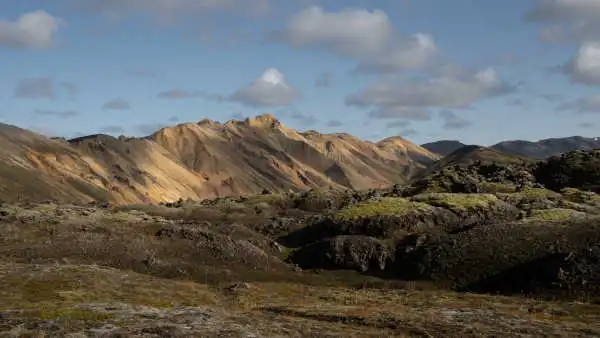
column 361, row 253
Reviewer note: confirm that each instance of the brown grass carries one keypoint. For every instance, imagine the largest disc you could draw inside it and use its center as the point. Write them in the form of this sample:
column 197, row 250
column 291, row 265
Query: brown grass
column 88, row 269
column 67, row 294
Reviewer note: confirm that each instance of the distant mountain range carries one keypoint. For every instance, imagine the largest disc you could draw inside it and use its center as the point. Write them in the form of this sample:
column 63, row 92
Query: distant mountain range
column 209, row 159
column 466, row 155
column 539, row 150
column 199, row 160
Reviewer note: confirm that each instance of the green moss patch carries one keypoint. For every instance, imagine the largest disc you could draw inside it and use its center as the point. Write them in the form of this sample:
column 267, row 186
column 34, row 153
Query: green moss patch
column 48, row 290
column 581, row 197
column 271, row 199
column 530, row 194
column 494, row 187
column 551, row 215
column 88, row 316
column 377, row 207
column 457, row 202
column 538, row 193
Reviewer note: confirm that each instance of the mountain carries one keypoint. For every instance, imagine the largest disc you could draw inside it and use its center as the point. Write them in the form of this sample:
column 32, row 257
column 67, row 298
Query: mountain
column 444, row 147
column 199, row 160
column 541, row 149
column 548, row 147
column 470, row 154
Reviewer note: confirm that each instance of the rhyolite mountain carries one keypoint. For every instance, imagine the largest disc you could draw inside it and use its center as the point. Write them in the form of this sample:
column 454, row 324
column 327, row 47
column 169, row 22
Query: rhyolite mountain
column 199, row 160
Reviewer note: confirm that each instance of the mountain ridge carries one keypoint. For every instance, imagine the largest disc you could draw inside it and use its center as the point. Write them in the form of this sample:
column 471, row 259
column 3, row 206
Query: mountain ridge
column 471, row 154
column 199, row 160
column 548, row 147
column 540, row 149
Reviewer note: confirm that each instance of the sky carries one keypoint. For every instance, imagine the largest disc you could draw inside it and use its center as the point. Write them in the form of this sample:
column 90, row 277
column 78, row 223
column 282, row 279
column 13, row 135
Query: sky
column 478, row 71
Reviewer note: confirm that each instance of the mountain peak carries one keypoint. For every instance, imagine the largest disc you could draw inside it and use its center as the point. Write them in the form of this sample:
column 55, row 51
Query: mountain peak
column 310, row 132
column 393, row 139
column 263, row 121
column 209, row 123
column 443, row 147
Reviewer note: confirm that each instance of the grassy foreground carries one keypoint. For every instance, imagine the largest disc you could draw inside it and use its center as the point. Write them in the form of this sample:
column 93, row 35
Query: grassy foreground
column 217, row 269
column 57, row 300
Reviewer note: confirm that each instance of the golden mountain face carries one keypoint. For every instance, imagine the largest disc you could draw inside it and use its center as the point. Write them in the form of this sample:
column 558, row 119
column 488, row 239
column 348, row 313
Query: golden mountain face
column 198, row 160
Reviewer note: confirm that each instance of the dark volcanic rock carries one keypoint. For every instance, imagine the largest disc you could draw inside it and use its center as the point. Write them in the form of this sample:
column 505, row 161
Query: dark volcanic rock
column 510, row 258
column 380, row 226
column 360, row 253
column 578, row 169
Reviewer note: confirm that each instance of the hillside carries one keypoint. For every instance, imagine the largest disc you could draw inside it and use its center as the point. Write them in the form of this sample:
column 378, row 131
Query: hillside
column 548, row 147
column 443, row 147
column 198, row 160
column 470, row 154
column 541, row 149
column 34, row 167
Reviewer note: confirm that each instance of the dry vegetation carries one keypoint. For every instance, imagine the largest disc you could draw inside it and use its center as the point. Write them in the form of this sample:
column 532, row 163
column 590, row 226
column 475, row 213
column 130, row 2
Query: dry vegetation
column 219, row 268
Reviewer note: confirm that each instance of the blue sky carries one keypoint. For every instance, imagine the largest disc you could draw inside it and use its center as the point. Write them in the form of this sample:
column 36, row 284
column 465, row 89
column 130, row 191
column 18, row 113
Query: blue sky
column 479, row 71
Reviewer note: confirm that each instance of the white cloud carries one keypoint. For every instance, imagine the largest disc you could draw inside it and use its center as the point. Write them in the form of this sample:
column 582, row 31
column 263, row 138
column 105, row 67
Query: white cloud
column 366, row 36
column 350, row 31
column 589, row 104
column 573, row 21
column 269, row 90
column 416, row 52
column 567, row 20
column 457, row 91
column 584, row 67
column 571, row 10
column 35, row 30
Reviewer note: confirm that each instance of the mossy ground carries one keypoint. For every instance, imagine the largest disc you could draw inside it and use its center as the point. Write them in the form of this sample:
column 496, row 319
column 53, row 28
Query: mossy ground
column 553, row 215
column 457, row 202
column 378, row 207
column 52, row 313
column 582, row 197
column 55, row 276
column 270, row 199
column 494, row 187
column 273, row 309
column 47, row 290
column 537, row 193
